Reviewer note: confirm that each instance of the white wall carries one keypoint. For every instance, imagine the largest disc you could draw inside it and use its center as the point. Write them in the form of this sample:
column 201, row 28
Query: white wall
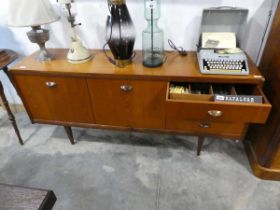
column 180, row 21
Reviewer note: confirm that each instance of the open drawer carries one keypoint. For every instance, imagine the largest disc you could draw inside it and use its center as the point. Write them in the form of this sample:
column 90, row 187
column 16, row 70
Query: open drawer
column 195, row 104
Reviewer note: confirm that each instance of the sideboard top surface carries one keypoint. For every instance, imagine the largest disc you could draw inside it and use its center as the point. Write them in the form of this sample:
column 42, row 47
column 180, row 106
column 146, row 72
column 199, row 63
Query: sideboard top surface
column 175, row 68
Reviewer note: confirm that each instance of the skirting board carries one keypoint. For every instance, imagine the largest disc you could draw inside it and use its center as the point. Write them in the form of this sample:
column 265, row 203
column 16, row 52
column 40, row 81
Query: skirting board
column 258, row 170
column 14, row 107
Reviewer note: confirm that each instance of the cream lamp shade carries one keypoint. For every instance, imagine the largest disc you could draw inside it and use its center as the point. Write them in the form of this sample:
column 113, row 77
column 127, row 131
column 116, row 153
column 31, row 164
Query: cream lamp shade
column 33, row 13
column 30, row 13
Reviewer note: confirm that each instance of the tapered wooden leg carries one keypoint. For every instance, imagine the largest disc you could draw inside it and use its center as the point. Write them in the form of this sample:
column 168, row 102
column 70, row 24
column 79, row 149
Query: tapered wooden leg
column 5, row 69
column 10, row 114
column 199, row 144
column 69, row 133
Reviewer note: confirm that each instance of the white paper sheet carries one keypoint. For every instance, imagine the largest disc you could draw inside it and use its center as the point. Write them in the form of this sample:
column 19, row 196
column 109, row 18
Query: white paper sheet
column 219, row 40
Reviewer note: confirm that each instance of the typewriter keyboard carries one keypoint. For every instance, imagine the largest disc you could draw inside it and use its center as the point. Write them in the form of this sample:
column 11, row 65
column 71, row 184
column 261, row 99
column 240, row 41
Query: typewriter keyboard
column 224, row 65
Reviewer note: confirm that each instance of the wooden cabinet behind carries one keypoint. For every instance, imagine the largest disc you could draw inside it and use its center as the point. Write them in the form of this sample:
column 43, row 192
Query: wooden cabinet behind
column 59, row 99
column 128, row 103
column 263, row 146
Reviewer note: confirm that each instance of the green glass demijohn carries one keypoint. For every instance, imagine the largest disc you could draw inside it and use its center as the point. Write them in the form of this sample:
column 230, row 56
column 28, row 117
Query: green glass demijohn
column 152, row 36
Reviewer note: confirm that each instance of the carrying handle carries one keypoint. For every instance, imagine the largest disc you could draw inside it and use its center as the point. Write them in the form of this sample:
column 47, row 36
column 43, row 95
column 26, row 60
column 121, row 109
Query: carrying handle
column 51, row 84
column 224, row 7
column 215, row 113
column 126, row 88
column 204, row 125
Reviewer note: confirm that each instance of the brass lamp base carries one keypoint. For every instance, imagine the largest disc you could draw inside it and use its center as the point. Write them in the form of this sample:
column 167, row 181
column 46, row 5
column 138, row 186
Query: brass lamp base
column 118, row 2
column 80, row 61
column 40, row 36
column 123, row 63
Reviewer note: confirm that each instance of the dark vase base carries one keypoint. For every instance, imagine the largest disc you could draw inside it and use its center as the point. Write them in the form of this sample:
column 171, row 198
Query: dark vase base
column 152, row 62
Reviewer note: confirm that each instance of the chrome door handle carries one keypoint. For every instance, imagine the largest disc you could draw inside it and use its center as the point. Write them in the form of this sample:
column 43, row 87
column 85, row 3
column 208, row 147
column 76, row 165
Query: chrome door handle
column 215, row 113
column 51, row 84
column 126, row 88
column 204, row 125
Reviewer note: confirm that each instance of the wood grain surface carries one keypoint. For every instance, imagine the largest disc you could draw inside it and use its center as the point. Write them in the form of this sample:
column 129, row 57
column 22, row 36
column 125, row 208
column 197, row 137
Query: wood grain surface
column 265, row 139
column 67, row 101
column 141, row 107
column 175, row 68
column 7, row 57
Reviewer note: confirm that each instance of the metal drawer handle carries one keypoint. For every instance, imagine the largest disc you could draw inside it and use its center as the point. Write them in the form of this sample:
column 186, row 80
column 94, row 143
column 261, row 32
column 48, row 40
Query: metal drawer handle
column 215, row 113
column 51, row 84
column 204, row 125
column 126, row 88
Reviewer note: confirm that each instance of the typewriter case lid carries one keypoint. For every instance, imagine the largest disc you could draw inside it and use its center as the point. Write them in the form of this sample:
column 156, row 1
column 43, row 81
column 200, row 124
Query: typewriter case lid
column 224, row 19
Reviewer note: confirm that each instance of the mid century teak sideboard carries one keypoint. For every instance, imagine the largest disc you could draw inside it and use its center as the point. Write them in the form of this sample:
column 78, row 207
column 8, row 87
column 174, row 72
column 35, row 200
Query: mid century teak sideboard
column 98, row 94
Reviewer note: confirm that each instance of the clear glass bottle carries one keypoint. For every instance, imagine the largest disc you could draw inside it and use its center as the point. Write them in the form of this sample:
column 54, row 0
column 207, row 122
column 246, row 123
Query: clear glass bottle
column 152, row 36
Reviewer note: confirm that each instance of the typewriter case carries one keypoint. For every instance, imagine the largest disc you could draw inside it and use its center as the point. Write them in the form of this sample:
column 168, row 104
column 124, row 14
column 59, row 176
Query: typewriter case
column 224, row 19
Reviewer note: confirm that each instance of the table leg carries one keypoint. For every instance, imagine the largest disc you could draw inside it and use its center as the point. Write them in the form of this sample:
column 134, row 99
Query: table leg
column 11, row 116
column 199, row 144
column 5, row 69
column 69, row 133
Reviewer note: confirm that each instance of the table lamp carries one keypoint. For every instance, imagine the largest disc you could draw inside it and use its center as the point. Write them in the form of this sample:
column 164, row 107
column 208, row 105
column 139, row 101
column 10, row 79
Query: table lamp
column 120, row 34
column 33, row 13
column 77, row 52
column 152, row 36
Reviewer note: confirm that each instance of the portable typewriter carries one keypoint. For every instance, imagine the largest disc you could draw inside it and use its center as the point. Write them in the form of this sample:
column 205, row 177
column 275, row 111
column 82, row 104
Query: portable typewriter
column 218, row 49
column 213, row 62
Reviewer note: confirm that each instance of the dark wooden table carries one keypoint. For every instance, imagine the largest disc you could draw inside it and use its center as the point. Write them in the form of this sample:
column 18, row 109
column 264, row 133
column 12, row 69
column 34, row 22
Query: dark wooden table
column 21, row 198
column 7, row 57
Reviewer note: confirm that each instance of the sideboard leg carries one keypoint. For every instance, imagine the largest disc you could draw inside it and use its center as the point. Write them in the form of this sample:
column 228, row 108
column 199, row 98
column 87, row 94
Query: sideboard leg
column 10, row 114
column 6, row 71
column 199, row 144
column 69, row 133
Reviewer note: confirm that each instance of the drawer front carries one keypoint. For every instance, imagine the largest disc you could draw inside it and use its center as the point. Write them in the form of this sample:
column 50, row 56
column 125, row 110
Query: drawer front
column 218, row 111
column 59, row 99
column 231, row 130
column 128, row 103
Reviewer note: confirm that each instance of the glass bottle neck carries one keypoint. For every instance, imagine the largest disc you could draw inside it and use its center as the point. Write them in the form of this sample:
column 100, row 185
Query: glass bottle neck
column 153, row 23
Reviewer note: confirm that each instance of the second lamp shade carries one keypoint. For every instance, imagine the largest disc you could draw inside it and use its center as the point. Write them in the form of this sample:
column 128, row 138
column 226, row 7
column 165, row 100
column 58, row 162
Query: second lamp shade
column 30, row 13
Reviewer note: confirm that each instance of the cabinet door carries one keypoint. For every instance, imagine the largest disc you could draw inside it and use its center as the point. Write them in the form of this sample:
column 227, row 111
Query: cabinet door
column 128, row 103
column 55, row 99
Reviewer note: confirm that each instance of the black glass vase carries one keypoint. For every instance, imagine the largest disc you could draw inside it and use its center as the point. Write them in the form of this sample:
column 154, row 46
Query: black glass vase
column 120, row 32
